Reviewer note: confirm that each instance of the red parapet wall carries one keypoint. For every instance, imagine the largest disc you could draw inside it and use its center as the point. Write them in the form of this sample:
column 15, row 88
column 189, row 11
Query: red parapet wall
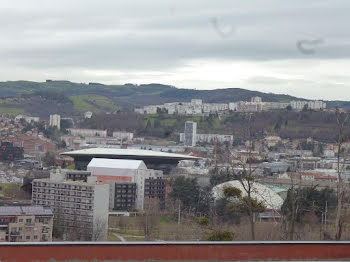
column 174, row 251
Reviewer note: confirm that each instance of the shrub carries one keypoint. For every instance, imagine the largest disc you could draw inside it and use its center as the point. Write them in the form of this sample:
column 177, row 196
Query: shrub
column 218, row 236
column 203, row 221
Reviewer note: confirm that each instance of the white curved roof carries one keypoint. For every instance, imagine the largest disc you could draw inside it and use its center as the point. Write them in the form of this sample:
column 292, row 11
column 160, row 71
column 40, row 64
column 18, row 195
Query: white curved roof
column 270, row 199
column 126, row 152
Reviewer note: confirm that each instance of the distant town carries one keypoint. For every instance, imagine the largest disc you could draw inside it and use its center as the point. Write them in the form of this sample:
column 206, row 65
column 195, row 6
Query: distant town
column 60, row 180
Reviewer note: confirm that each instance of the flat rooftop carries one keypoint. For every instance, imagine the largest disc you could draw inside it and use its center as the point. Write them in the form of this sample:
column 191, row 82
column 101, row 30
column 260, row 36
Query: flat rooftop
column 25, row 210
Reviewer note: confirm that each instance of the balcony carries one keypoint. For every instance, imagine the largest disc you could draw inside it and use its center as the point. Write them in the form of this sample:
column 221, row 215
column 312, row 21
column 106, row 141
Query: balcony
column 29, row 224
column 15, row 233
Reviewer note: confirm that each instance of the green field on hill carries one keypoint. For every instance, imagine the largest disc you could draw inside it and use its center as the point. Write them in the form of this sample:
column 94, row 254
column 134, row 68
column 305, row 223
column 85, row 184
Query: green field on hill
column 93, row 103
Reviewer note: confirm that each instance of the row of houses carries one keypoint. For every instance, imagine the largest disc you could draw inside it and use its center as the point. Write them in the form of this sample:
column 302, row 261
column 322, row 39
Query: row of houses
column 197, row 107
column 95, row 137
column 31, row 144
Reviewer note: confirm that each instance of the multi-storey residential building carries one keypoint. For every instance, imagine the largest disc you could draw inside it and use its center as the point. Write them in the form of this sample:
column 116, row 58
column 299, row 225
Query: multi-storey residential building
column 28, row 119
column 55, row 121
column 123, row 136
column 26, row 223
column 243, row 106
column 190, row 133
column 209, row 138
column 155, row 188
column 87, row 132
column 124, row 197
column 313, row 105
column 127, row 179
column 197, row 107
column 256, row 99
column 78, row 206
column 196, row 101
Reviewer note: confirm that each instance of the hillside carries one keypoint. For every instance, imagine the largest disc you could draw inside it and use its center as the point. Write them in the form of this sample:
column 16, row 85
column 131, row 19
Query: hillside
column 287, row 124
column 68, row 98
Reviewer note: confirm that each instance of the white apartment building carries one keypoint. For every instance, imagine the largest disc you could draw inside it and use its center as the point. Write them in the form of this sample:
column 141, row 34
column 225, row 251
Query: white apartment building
column 243, row 106
column 209, row 138
column 256, row 99
column 232, row 106
column 77, row 205
column 55, row 121
column 123, row 171
column 123, row 136
column 313, row 105
column 28, row 119
column 84, row 132
column 271, row 106
column 190, row 133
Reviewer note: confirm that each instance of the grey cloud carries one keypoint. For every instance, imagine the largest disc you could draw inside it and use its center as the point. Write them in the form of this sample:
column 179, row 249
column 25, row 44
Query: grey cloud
column 163, row 35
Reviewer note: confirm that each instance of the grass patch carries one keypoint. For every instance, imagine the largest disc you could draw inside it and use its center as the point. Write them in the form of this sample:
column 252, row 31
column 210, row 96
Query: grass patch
column 11, row 110
column 93, row 103
column 6, row 185
column 112, row 237
column 128, row 238
column 127, row 232
column 168, row 122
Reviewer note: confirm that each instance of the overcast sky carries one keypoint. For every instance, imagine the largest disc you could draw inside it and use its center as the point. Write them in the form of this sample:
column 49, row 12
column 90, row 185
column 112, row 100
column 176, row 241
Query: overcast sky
column 292, row 47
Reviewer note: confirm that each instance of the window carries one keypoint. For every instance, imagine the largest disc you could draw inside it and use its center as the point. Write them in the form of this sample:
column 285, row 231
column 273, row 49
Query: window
column 20, row 220
column 27, row 237
column 35, row 237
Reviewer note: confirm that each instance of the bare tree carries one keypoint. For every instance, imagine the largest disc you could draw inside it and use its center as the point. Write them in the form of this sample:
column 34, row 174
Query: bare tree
column 341, row 159
column 148, row 219
column 294, row 197
column 248, row 204
column 100, row 230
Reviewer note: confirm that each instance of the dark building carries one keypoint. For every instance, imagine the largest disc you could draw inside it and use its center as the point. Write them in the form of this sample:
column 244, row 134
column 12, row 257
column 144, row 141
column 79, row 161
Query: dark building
column 10, row 152
column 124, row 196
column 155, row 188
column 76, row 175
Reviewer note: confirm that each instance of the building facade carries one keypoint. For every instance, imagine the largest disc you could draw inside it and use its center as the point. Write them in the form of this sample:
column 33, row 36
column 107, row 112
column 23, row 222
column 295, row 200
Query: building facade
column 123, row 136
column 84, row 132
column 79, row 207
column 26, row 224
column 127, row 180
column 190, row 133
column 209, row 138
column 55, row 121
column 197, row 107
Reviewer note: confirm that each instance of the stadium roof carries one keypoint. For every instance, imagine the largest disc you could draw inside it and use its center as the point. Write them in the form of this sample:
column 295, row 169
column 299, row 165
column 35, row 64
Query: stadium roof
column 264, row 194
column 114, row 152
column 117, row 163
